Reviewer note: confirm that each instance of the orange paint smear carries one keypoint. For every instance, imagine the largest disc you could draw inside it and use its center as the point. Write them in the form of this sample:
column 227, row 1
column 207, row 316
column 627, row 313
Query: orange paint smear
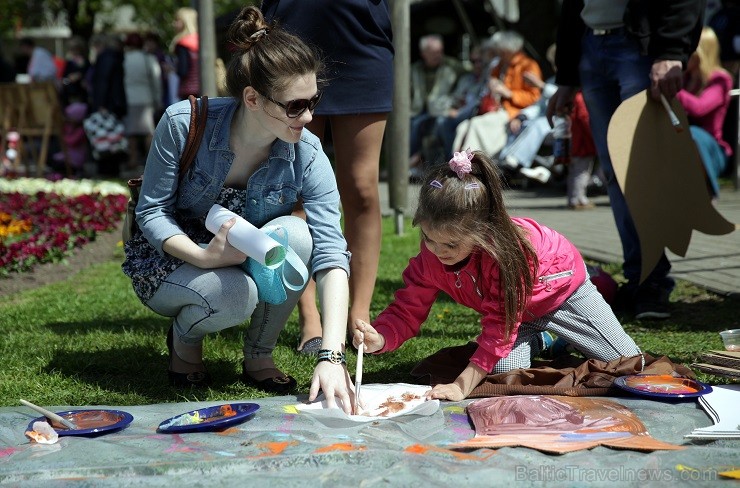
column 426, row 449
column 275, row 448
column 341, row 446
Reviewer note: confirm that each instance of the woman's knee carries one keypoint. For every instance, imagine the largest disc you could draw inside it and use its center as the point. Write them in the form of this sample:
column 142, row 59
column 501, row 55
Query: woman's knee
column 235, row 297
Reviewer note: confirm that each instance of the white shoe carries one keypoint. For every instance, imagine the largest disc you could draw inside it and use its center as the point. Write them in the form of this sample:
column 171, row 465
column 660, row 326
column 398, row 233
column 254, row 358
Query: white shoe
column 510, row 162
column 540, row 173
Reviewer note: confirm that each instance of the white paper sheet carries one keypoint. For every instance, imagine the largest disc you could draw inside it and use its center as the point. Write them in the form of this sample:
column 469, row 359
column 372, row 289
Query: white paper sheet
column 246, row 237
column 372, row 397
column 721, row 404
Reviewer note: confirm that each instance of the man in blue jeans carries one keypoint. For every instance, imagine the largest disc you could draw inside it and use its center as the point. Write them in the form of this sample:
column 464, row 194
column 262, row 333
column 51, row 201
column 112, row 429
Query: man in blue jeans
column 612, row 50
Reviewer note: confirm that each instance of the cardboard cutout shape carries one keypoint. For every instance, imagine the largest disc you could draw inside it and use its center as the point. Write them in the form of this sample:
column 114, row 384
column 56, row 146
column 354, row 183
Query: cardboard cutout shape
column 662, row 177
column 557, row 424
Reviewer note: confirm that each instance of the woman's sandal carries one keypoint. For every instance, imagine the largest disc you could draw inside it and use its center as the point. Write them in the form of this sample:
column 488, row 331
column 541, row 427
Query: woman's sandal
column 197, row 379
column 311, row 347
column 278, row 383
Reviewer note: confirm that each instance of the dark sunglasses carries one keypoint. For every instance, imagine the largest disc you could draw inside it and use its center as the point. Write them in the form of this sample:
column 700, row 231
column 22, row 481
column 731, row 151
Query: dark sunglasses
column 295, row 108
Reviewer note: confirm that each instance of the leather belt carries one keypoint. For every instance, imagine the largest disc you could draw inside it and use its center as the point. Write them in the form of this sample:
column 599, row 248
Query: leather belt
column 606, row 32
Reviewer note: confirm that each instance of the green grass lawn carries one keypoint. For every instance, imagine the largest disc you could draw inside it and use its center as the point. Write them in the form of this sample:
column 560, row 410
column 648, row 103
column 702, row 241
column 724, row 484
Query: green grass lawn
column 89, row 341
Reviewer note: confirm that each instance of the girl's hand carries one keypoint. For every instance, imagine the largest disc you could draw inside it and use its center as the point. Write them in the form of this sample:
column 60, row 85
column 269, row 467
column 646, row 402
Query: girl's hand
column 219, row 253
column 449, row 391
column 373, row 340
column 334, row 381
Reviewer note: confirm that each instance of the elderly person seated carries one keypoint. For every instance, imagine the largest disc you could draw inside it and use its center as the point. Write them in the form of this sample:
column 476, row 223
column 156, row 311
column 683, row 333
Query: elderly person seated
column 433, row 79
column 508, row 92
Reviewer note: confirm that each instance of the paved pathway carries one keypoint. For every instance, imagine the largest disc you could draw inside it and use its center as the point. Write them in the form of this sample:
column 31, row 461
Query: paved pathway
column 712, row 262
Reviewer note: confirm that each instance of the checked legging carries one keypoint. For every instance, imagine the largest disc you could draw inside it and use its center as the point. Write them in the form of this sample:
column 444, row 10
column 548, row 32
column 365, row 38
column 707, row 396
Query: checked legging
column 585, row 320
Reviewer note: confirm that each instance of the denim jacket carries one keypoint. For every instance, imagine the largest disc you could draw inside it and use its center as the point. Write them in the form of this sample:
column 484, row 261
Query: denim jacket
column 290, row 171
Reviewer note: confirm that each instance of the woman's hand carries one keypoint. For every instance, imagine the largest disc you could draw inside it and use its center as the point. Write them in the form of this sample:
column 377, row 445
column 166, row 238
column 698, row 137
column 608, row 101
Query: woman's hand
column 373, row 340
column 515, row 125
column 334, row 381
column 533, row 79
column 561, row 103
column 448, row 391
column 219, row 253
column 498, row 87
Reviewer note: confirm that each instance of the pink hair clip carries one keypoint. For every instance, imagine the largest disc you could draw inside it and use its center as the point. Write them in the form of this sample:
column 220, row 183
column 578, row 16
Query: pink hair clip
column 460, row 163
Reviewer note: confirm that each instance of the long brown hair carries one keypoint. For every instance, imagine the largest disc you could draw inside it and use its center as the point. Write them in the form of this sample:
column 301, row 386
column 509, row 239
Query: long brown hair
column 266, row 57
column 472, row 205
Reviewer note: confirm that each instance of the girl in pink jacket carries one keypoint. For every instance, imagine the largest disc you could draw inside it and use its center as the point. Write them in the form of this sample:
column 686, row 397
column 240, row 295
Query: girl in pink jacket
column 522, row 277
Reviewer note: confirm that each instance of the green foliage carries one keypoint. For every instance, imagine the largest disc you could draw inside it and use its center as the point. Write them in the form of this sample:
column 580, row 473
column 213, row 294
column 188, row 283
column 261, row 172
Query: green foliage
column 89, row 341
column 81, row 14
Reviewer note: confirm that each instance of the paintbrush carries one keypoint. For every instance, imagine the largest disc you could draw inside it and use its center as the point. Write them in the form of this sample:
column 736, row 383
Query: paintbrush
column 671, row 114
column 50, row 415
column 358, row 373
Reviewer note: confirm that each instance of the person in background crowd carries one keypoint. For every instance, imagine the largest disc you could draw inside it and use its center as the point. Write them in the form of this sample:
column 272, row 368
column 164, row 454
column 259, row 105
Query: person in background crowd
column 357, row 42
column 73, row 79
column 153, row 46
column 106, row 85
column 529, row 130
column 466, row 97
column 7, row 70
column 108, row 94
column 612, row 51
column 41, row 65
column 706, row 97
column 143, row 84
column 185, row 47
column 433, row 80
column 508, row 93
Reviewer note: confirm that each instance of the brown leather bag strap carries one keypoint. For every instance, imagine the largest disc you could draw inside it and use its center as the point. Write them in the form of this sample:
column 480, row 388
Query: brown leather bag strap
column 198, row 118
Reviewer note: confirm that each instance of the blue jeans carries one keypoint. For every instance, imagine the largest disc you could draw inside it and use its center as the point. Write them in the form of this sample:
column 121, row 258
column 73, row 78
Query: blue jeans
column 612, row 70
column 202, row 301
column 525, row 145
column 446, row 127
column 420, row 126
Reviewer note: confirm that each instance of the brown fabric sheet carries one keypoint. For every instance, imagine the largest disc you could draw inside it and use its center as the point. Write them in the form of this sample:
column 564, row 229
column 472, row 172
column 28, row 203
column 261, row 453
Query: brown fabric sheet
column 568, row 376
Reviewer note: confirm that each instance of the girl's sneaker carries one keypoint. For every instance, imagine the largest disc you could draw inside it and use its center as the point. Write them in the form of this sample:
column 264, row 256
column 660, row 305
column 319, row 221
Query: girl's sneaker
column 553, row 346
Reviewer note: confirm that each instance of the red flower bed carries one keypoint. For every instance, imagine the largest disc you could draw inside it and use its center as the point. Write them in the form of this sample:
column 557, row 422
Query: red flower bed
column 46, row 227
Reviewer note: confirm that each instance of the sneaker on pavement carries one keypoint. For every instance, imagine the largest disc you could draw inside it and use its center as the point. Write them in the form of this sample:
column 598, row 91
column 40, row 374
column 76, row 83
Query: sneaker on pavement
column 540, row 173
column 651, row 303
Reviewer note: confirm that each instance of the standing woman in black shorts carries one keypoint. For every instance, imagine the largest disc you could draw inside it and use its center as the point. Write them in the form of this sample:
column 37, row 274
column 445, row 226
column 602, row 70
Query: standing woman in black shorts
column 355, row 38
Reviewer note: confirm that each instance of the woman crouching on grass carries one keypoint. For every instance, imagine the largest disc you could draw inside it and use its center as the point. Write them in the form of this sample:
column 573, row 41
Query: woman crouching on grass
column 525, row 280
column 256, row 159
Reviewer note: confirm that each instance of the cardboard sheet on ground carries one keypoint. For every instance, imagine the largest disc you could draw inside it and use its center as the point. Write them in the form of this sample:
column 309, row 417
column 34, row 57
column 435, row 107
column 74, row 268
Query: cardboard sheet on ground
column 379, row 402
column 662, row 177
column 557, row 424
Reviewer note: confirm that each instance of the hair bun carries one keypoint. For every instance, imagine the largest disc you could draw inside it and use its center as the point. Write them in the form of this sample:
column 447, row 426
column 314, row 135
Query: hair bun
column 248, row 28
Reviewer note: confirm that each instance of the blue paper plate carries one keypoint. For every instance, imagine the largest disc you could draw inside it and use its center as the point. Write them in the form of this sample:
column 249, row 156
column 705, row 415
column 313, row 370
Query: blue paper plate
column 99, row 422
column 662, row 386
column 210, row 418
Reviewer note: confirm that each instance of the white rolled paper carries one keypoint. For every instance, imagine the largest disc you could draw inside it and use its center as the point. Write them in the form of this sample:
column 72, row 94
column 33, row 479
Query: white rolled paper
column 246, row 237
